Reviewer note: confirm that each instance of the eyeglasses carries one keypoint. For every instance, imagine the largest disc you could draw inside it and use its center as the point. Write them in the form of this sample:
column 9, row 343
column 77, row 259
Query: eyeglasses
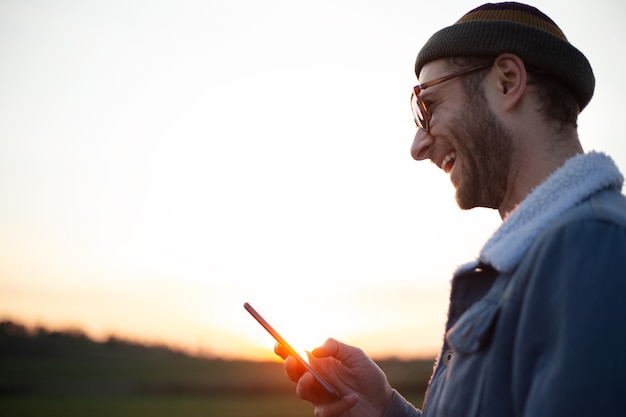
column 420, row 112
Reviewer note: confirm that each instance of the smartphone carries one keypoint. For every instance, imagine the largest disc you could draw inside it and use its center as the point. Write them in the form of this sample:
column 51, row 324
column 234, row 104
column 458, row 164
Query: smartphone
column 290, row 349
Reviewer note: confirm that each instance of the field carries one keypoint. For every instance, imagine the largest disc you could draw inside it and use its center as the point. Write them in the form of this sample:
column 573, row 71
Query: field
column 69, row 375
column 155, row 406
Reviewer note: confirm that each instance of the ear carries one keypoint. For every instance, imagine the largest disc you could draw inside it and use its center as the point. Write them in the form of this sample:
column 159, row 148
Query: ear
column 510, row 75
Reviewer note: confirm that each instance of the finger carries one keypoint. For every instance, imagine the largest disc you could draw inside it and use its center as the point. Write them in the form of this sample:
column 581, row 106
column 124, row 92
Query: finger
column 337, row 407
column 303, row 388
column 293, row 369
column 280, row 351
column 309, row 389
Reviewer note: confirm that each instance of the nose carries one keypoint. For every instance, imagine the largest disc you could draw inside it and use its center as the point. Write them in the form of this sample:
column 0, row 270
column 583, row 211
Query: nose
column 422, row 142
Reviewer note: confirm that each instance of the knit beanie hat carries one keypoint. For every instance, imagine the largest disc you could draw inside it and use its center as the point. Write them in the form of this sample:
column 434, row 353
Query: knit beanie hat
column 492, row 29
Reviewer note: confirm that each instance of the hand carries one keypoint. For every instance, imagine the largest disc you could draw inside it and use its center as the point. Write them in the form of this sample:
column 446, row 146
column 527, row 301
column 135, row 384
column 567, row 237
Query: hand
column 364, row 385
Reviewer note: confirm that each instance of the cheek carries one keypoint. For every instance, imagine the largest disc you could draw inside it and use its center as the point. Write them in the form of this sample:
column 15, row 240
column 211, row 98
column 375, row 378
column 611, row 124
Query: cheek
column 447, row 116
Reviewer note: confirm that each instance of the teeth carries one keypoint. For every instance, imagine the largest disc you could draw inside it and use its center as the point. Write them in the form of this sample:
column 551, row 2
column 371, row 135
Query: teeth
column 449, row 157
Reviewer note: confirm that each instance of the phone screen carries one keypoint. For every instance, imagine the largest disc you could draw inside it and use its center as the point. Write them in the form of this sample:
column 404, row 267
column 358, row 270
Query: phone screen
column 290, row 349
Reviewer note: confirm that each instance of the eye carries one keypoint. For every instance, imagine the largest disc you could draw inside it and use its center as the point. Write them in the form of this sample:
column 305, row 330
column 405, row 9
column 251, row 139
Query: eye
column 429, row 101
column 430, row 104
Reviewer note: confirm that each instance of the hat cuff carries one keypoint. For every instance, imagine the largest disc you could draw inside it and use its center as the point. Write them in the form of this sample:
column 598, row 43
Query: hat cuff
column 537, row 48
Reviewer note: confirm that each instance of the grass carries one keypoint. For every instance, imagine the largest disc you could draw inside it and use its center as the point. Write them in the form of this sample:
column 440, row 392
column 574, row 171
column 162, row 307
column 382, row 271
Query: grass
column 71, row 376
column 158, row 406
column 155, row 406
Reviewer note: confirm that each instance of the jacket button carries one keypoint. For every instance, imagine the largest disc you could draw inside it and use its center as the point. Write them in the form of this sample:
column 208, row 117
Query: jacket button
column 447, row 356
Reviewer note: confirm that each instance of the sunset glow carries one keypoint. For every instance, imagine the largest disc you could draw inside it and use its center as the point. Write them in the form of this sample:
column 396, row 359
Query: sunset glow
column 161, row 163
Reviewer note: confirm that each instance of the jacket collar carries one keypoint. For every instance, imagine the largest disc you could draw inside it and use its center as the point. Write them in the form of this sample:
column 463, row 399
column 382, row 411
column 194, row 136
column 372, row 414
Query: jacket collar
column 575, row 181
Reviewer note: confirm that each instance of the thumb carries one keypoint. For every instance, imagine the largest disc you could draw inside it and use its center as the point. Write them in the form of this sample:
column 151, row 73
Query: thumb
column 338, row 350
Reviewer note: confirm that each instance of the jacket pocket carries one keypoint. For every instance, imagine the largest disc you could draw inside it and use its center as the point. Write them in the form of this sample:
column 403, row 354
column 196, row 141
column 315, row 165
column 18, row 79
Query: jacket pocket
column 474, row 329
column 469, row 339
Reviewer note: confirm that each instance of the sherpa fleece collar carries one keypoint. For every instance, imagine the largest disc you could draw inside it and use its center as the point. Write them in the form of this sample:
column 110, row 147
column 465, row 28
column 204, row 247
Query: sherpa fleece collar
column 576, row 180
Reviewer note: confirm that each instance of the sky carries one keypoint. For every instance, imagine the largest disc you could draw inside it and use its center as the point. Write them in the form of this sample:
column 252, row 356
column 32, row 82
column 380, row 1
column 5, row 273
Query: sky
column 163, row 162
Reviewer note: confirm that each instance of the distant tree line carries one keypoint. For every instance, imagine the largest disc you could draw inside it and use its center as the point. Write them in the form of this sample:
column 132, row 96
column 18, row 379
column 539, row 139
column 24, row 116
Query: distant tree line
column 18, row 340
column 40, row 361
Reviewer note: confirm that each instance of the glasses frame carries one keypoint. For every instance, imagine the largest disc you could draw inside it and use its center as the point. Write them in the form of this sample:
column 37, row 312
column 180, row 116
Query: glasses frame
column 421, row 115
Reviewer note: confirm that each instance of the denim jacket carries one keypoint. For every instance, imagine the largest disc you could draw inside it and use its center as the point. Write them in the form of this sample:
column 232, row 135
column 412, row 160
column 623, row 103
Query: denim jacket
column 537, row 324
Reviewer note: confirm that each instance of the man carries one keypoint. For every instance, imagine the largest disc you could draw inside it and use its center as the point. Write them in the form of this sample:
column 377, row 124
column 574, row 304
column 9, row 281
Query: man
column 536, row 325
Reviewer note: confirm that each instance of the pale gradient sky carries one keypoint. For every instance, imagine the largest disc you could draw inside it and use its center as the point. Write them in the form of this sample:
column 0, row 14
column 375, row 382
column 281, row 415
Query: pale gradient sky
column 161, row 162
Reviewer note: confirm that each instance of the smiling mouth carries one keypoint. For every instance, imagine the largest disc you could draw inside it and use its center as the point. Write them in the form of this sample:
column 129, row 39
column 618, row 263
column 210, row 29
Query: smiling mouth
column 448, row 162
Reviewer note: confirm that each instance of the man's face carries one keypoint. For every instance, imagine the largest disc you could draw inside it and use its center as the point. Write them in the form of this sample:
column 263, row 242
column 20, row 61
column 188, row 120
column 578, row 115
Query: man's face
column 466, row 140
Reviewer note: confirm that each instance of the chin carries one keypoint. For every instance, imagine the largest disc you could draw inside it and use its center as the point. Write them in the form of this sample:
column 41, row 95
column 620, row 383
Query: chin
column 464, row 203
column 468, row 201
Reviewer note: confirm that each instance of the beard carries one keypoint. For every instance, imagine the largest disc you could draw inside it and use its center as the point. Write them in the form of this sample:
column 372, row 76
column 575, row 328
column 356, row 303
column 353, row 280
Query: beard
column 485, row 149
